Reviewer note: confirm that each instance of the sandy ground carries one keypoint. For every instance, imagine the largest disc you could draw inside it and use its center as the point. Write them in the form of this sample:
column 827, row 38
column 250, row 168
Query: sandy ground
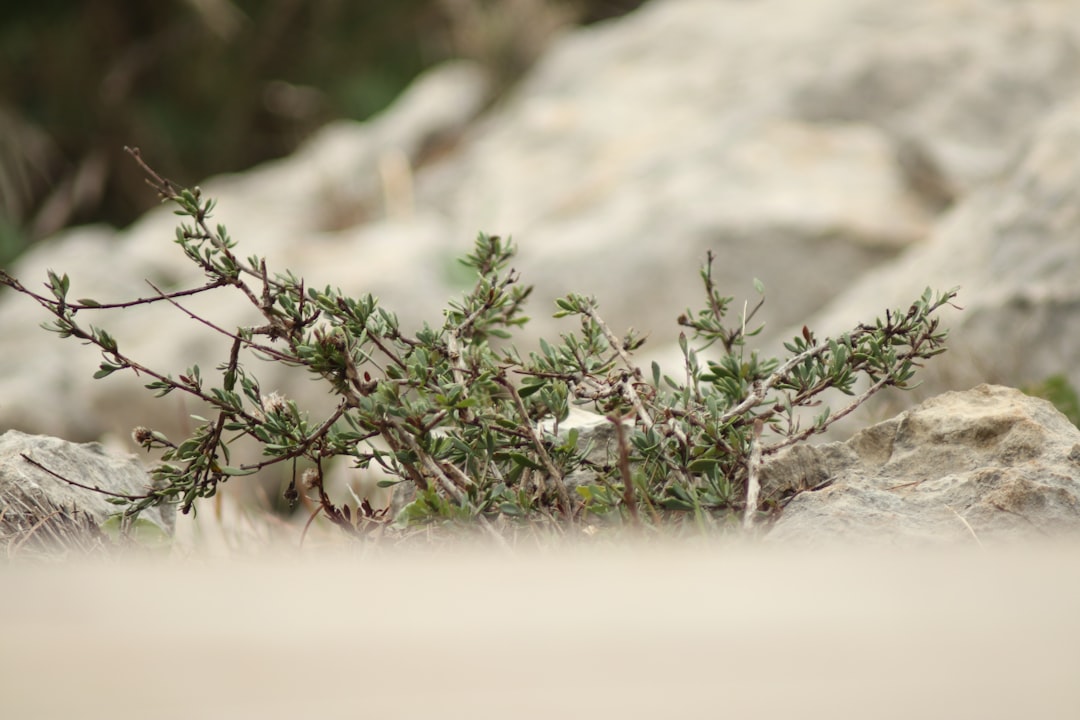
column 677, row 631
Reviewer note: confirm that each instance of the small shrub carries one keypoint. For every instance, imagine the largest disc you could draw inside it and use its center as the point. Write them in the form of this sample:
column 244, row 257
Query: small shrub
column 456, row 411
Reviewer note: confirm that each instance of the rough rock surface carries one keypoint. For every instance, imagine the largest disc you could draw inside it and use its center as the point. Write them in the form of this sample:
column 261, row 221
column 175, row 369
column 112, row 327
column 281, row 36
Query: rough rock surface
column 1011, row 246
column 595, row 432
column 805, row 152
column 40, row 509
column 987, row 464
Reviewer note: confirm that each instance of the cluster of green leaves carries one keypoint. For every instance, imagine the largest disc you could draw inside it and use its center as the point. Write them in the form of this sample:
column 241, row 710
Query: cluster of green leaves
column 467, row 425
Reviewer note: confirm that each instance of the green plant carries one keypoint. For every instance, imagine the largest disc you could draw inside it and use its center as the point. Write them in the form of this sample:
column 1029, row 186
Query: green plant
column 457, row 412
column 1059, row 391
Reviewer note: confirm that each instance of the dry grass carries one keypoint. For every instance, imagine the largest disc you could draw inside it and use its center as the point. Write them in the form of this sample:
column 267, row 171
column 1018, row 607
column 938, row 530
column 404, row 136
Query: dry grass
column 33, row 527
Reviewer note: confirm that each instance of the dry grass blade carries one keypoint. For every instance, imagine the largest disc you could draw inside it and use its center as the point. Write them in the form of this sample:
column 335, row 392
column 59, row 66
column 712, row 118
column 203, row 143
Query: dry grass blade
column 32, row 526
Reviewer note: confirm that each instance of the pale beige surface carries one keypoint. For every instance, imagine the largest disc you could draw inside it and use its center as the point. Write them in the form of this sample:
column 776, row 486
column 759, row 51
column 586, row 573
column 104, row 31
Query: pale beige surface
column 703, row 631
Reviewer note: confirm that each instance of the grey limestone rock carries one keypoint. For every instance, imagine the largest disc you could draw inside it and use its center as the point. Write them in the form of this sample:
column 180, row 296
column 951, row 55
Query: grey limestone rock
column 983, row 465
column 807, row 152
column 39, row 509
column 595, row 433
column 1010, row 246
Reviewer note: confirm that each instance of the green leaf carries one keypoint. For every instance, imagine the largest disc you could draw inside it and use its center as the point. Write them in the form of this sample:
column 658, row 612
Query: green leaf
column 106, row 370
column 235, row 471
column 104, row 339
column 703, row 465
column 59, row 284
column 524, row 461
column 527, row 390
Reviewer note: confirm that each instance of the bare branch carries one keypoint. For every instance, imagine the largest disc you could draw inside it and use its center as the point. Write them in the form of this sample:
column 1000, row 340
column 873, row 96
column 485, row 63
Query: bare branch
column 92, row 488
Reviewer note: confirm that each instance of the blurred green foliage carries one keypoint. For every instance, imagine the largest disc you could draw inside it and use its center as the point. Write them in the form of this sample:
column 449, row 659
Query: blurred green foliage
column 1059, row 391
column 210, row 86
column 203, row 86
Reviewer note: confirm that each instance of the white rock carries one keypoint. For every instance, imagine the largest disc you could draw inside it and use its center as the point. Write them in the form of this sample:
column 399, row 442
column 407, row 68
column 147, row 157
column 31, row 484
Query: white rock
column 987, row 465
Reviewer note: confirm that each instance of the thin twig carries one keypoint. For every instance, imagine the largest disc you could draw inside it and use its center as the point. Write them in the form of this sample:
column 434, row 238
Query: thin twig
column 629, row 496
column 447, row 484
column 91, row 488
column 266, row 350
column 165, row 188
column 967, row 525
column 631, row 393
column 455, row 333
column 30, row 532
column 303, row 533
column 538, row 444
column 589, row 309
column 761, row 388
column 626, row 385
column 834, row 417
column 168, row 191
column 913, row 483
column 753, row 485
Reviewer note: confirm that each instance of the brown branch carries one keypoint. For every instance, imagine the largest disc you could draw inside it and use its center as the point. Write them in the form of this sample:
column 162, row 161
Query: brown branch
column 6, row 279
column 257, row 347
column 448, row 485
column 168, row 191
column 303, row 534
column 165, row 189
column 538, row 444
column 885, row 381
column 91, row 488
column 148, row 300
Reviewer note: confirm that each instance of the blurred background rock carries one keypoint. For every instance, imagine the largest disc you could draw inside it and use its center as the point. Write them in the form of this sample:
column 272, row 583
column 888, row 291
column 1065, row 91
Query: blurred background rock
column 212, row 86
column 848, row 153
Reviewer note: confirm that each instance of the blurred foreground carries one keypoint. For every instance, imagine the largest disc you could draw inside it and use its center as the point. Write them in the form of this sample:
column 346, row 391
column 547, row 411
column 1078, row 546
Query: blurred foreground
column 688, row 630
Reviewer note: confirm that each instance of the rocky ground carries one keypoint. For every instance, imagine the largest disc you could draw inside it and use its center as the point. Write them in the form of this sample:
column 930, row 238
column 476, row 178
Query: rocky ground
column 848, row 153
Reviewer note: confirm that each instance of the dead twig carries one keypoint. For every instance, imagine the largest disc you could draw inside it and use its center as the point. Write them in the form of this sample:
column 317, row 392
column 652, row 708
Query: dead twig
column 970, row 529
column 629, row 498
column 753, row 485
column 91, row 488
